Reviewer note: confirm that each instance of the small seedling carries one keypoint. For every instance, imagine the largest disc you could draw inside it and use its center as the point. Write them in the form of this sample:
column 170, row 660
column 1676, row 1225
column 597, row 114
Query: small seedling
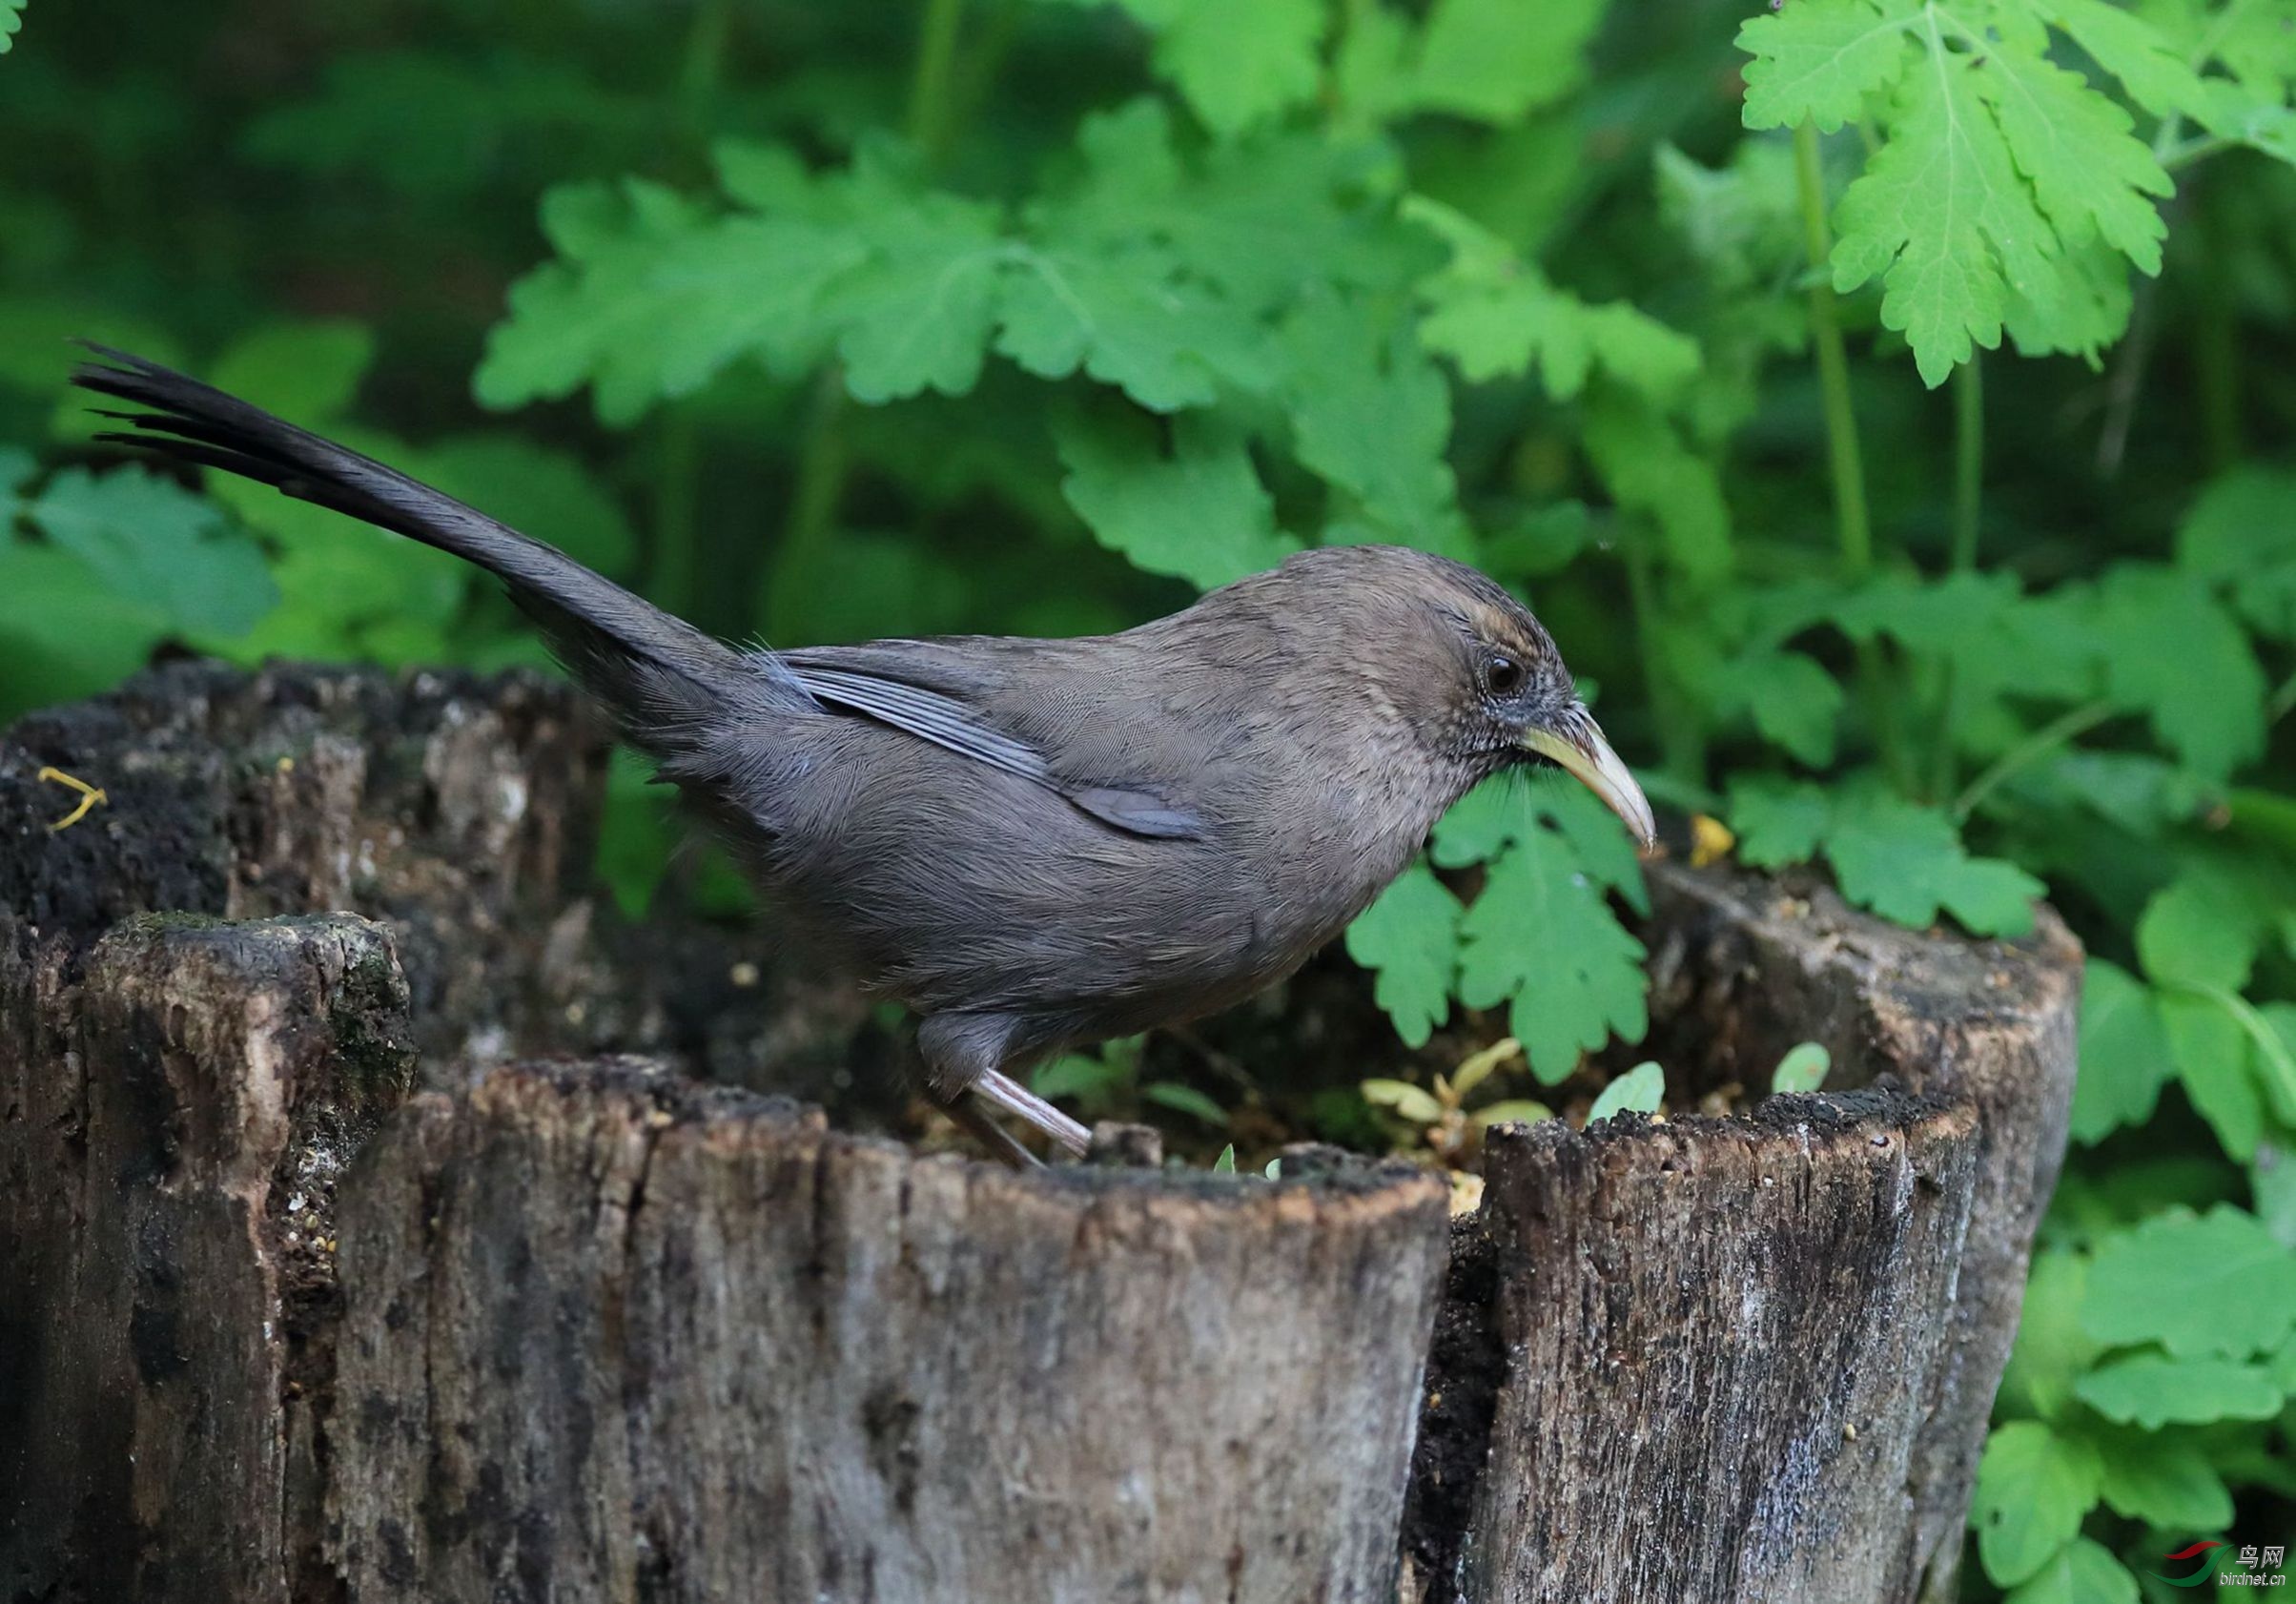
column 1446, row 1125
column 1803, row 1069
column 1638, row 1091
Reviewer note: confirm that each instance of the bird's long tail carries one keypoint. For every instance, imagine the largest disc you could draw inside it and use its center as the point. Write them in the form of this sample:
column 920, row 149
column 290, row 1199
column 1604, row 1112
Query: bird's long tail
column 654, row 670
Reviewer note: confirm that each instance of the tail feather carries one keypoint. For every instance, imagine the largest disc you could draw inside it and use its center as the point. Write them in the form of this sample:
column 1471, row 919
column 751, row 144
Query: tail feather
column 649, row 665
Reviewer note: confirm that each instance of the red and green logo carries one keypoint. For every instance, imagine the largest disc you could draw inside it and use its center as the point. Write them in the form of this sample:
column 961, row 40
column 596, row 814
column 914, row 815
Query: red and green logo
column 2206, row 1574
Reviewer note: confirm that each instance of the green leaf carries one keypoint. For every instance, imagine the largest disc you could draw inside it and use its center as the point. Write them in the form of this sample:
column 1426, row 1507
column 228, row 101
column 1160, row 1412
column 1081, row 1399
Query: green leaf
column 1415, row 1104
column 2034, row 1487
column 1409, row 939
column 145, row 537
column 593, row 317
column 1126, row 322
column 1819, row 59
column 2090, row 174
column 2240, row 536
column 1491, row 60
column 1803, row 1069
column 1905, row 862
column 2125, row 1054
column 1647, row 468
column 2205, row 699
column 1791, row 698
column 1076, row 1075
column 1372, row 416
column 2078, row 312
column 17, row 467
column 918, row 314
column 2125, row 45
column 1943, row 219
column 1638, row 1091
column 741, row 286
column 1225, row 1163
column 1777, row 823
column 2166, row 1483
column 2151, row 1390
column 64, row 633
column 305, row 372
column 1497, row 59
column 2083, row 1571
column 1495, row 315
column 2190, row 934
column 1596, row 836
column 1198, row 514
column 1186, row 1100
column 12, row 18
column 2052, row 1350
column 1236, row 66
column 1515, row 1111
column 1540, row 936
column 2213, row 1285
column 2211, row 1055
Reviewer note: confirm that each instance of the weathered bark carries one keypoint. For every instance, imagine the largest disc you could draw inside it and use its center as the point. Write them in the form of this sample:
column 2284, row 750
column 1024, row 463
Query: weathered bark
column 609, row 1336
column 176, row 1105
column 596, row 1333
column 1753, row 1359
column 461, row 812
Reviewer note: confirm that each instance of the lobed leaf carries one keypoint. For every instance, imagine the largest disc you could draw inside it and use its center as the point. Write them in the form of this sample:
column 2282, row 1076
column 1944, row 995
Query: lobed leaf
column 1943, row 219
column 2150, row 1390
column 2083, row 1571
column 2125, row 1053
column 1817, row 60
column 1409, row 939
column 1198, row 514
column 1540, row 938
column 2217, row 1283
column 2034, row 1487
column 1638, row 1091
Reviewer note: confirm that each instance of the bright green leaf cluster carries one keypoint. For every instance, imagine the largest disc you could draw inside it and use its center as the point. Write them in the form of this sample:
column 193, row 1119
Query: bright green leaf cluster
column 2000, row 175
column 1903, row 860
column 1540, row 937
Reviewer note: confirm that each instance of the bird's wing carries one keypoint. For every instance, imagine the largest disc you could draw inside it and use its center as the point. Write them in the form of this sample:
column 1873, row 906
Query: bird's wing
column 957, row 695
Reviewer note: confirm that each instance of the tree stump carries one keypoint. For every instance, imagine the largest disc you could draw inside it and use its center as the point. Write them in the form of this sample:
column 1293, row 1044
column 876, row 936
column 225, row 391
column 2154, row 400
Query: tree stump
column 282, row 1327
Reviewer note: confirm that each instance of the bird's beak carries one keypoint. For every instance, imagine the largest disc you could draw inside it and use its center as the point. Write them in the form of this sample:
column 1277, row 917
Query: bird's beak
column 1574, row 742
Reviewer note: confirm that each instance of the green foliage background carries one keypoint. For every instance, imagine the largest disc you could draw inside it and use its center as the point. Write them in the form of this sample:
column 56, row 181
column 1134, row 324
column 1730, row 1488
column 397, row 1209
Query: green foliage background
column 1887, row 403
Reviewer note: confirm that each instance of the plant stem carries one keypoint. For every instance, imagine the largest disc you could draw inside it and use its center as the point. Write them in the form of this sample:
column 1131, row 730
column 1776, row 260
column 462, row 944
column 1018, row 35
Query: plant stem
column 787, row 584
column 1681, row 750
column 1968, row 510
column 2263, row 815
column 2283, row 701
column 930, row 99
column 1850, row 526
column 1968, row 460
column 2057, row 732
column 2215, row 341
column 1853, row 529
column 786, row 591
column 705, row 63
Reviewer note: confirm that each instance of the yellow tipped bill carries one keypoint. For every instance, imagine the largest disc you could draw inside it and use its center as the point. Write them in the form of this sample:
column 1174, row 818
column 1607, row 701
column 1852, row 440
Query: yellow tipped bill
column 1576, row 744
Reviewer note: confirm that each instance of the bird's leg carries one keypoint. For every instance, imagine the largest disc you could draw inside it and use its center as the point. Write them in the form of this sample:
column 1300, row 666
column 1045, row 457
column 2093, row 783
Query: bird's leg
column 961, row 1052
column 993, row 1086
column 1000, row 1142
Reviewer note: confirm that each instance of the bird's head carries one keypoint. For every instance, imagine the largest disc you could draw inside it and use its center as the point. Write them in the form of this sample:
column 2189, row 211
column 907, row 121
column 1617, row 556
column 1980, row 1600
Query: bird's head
column 1476, row 674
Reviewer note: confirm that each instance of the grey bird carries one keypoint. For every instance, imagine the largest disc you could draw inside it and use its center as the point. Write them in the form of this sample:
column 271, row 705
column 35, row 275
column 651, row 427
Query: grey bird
column 1034, row 844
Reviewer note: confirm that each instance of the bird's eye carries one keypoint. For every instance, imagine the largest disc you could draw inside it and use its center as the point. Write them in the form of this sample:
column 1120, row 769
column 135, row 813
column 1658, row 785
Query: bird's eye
column 1503, row 674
